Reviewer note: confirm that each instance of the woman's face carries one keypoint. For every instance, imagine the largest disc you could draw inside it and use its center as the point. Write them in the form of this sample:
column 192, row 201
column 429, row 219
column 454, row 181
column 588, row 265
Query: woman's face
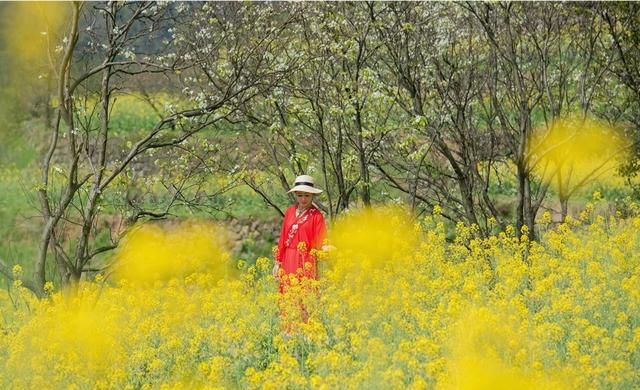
column 304, row 199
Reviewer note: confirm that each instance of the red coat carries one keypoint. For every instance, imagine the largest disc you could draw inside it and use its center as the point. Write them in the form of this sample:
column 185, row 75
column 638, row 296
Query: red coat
column 309, row 229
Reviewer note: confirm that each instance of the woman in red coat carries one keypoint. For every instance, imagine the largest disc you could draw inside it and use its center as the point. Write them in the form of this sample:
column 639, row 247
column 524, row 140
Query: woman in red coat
column 303, row 229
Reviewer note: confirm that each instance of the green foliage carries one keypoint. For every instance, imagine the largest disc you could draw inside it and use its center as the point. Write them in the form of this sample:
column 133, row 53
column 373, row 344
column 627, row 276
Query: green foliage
column 131, row 114
column 19, row 228
column 341, row 91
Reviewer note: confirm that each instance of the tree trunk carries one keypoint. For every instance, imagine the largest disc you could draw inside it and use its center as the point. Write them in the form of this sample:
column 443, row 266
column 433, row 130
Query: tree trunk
column 564, row 207
column 365, row 191
column 530, row 210
column 520, row 217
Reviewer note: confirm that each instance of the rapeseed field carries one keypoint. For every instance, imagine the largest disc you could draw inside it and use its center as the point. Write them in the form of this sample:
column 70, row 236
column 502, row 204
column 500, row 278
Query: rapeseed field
column 397, row 305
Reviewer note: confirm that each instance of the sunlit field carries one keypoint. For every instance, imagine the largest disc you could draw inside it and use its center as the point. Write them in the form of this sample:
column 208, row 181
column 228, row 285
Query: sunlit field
column 396, row 306
column 477, row 165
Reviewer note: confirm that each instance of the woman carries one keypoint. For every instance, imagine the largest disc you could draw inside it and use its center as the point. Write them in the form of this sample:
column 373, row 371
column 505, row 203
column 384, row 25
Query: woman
column 303, row 229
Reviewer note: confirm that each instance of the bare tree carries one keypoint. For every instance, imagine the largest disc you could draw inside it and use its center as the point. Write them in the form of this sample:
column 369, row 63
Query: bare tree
column 330, row 107
column 437, row 73
column 621, row 20
column 82, row 164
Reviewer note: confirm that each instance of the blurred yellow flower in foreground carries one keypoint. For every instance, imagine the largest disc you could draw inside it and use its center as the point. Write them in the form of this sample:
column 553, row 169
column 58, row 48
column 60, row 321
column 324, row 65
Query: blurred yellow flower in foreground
column 574, row 150
column 152, row 252
column 373, row 237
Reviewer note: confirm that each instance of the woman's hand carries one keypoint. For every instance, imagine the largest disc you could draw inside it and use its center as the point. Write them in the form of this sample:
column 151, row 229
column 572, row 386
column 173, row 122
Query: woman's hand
column 276, row 268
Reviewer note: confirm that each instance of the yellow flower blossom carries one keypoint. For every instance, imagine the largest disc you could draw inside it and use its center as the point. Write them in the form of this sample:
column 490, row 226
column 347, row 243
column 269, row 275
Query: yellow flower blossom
column 394, row 308
column 17, row 271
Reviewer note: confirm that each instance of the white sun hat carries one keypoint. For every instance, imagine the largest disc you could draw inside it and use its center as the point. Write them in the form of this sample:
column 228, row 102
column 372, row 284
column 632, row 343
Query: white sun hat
column 305, row 183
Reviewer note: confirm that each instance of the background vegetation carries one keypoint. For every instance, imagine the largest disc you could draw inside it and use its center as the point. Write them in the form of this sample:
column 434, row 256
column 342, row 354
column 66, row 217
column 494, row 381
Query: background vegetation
column 496, row 117
column 119, row 113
